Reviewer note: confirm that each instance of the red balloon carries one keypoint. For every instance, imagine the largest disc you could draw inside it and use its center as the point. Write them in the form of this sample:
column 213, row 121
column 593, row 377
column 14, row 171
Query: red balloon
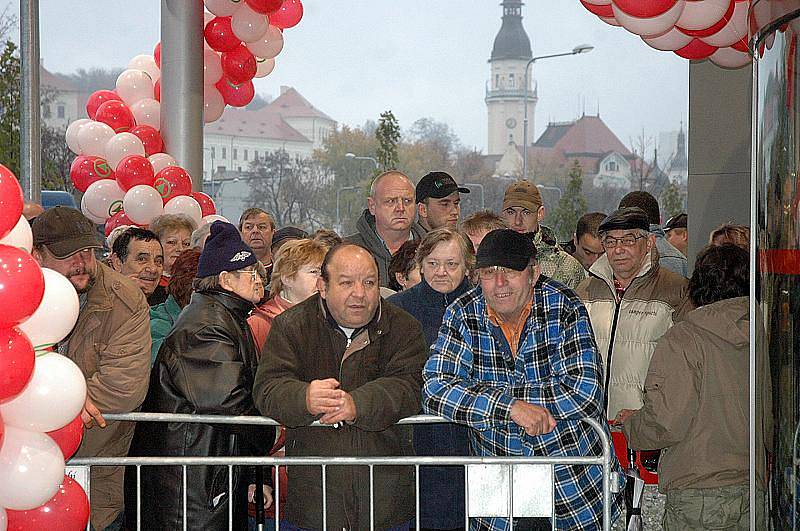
column 17, row 359
column 239, row 64
column 206, row 203
column 264, row 6
column 173, row 181
column 150, row 137
column 134, row 170
column 648, row 9
column 21, row 285
column 741, row 45
column 87, row 169
column 219, row 34
column 601, row 10
column 157, row 90
column 711, row 30
column 98, row 98
column 696, row 49
column 68, row 510
column 236, row 95
column 69, row 437
column 117, row 220
column 288, row 15
column 116, row 115
column 157, row 55
column 10, row 201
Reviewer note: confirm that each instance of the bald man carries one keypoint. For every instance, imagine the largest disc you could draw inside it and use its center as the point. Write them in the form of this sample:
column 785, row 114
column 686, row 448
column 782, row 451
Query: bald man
column 388, row 221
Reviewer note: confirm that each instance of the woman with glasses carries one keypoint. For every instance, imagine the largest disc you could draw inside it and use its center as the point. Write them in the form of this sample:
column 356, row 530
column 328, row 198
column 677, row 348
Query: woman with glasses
column 205, row 366
column 445, row 258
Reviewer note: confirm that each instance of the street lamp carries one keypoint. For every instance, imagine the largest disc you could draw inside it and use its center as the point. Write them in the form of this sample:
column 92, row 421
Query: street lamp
column 356, row 157
column 338, row 216
column 581, row 48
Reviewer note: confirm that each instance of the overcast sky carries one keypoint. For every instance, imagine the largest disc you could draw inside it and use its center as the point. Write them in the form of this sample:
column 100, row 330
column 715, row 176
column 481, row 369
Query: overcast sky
column 421, row 58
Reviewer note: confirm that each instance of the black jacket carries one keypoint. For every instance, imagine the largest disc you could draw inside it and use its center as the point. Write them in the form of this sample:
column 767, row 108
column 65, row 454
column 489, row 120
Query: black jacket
column 381, row 368
column 206, row 365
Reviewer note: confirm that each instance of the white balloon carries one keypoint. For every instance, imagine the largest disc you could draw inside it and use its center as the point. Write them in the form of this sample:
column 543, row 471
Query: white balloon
column 269, row 45
column 72, row 136
column 53, row 397
column 159, row 161
column 212, row 218
column 92, row 138
column 730, row 58
column 147, row 111
column 56, row 315
column 222, row 8
column 248, row 25
column 120, row 146
column 701, row 14
column 611, row 21
column 212, row 66
column 142, row 204
column 20, row 236
column 134, row 85
column 213, row 104
column 264, row 67
column 103, row 199
column 3, row 520
column 186, row 205
column 147, row 64
column 32, row 468
column 733, row 31
column 652, row 25
column 97, row 220
column 670, row 41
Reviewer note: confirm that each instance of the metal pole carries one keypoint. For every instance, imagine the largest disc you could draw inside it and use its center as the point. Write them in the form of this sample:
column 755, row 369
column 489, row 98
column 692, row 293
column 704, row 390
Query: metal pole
column 338, row 216
column 525, row 119
column 182, row 85
column 30, row 126
column 480, row 187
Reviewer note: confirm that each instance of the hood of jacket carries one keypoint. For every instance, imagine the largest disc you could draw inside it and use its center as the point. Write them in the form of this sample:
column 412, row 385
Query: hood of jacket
column 728, row 319
column 240, row 306
column 366, row 227
column 545, row 241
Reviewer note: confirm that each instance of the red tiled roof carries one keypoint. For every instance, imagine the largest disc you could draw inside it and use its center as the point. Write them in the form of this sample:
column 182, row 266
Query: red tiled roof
column 589, row 134
column 256, row 124
column 55, row 81
column 291, row 104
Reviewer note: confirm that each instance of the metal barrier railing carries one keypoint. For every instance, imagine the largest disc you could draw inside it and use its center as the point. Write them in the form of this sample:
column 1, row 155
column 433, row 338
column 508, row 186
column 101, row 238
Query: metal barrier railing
column 610, row 482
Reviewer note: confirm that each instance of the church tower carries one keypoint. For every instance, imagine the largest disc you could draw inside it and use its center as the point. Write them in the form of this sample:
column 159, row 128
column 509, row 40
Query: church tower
column 505, row 91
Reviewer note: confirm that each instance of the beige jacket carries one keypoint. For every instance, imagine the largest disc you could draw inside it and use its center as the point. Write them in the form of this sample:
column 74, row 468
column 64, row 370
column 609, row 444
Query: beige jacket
column 627, row 332
column 111, row 345
column 696, row 403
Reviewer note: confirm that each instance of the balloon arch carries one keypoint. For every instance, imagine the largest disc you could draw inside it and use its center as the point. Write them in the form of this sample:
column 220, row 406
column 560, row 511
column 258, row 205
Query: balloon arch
column 126, row 178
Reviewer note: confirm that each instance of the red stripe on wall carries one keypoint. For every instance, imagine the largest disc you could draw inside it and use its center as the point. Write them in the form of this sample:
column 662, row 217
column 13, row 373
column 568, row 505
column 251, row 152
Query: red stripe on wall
column 779, row 261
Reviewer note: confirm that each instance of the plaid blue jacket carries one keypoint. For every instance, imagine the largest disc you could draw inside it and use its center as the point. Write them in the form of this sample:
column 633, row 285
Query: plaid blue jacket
column 471, row 378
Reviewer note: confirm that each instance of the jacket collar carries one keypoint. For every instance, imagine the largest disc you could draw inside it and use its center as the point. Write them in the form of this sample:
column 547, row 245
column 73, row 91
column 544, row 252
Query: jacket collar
column 602, row 269
column 366, row 227
column 231, row 301
column 98, row 298
column 430, row 297
column 325, row 315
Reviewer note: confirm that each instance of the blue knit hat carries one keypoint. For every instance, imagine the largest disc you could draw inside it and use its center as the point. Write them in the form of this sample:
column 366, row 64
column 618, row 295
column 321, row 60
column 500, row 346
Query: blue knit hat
column 224, row 251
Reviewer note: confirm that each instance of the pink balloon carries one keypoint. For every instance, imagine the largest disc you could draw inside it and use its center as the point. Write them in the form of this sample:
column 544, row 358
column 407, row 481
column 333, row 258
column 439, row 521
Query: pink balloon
column 161, row 161
column 730, row 58
column 32, row 467
column 651, row 25
column 103, row 199
column 248, row 25
column 213, row 104
column 147, row 111
column 733, row 31
column 264, row 67
column 134, row 85
column 212, row 67
column 268, row 46
column 142, row 204
column 186, row 205
column 699, row 15
column 120, row 146
column 670, row 41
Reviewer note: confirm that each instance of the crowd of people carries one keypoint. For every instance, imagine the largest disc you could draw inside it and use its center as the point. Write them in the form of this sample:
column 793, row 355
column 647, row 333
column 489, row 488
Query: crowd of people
column 488, row 322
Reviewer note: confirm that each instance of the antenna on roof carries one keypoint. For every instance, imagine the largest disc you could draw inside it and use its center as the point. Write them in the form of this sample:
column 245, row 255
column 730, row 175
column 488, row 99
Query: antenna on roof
column 598, row 107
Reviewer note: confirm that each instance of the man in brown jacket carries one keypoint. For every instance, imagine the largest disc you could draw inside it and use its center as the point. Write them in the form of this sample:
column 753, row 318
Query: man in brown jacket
column 696, row 403
column 110, row 343
column 347, row 358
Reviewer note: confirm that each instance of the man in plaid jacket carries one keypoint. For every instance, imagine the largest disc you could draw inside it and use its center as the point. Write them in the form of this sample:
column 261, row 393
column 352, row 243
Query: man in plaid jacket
column 516, row 361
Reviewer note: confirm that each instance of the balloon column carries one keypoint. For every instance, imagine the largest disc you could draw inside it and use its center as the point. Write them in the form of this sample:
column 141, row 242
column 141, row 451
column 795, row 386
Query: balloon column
column 693, row 29
column 41, row 392
column 122, row 166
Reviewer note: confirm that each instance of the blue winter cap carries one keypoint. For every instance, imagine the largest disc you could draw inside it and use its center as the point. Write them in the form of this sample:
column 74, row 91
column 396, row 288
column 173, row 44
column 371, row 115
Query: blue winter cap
column 224, row 251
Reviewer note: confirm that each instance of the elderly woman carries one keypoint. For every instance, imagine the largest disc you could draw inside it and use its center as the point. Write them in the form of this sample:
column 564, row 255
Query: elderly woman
column 445, row 258
column 179, row 290
column 174, row 231
column 403, row 267
column 294, row 279
column 206, row 366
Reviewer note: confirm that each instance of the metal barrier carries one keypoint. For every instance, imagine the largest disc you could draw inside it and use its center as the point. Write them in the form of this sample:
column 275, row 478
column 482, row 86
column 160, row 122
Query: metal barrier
column 611, row 482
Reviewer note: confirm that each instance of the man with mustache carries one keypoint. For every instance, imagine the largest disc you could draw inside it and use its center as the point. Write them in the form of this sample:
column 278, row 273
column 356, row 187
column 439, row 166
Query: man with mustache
column 388, row 221
column 110, row 344
column 138, row 255
column 257, row 228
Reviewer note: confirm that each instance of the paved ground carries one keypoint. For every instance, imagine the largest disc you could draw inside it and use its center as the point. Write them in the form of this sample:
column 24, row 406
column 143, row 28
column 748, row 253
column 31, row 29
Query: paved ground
column 652, row 510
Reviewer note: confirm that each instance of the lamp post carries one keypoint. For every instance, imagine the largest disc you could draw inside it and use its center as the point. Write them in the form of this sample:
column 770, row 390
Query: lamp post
column 338, row 216
column 581, row 48
column 211, row 170
column 356, row 157
column 479, row 187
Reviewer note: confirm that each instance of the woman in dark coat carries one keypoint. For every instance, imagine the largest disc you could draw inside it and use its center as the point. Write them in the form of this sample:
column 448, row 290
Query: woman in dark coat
column 206, row 366
column 445, row 258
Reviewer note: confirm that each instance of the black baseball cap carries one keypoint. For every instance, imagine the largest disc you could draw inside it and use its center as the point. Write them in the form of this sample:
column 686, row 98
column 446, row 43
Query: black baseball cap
column 437, row 184
column 678, row 221
column 64, row 231
column 506, row 248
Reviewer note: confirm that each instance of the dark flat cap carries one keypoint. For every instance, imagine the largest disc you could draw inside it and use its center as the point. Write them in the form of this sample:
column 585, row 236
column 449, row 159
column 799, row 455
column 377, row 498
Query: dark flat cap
column 64, row 231
column 678, row 221
column 625, row 218
column 285, row 234
column 506, row 248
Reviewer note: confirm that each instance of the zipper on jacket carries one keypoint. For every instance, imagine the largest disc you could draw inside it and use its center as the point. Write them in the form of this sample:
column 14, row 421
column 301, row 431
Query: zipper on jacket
column 617, row 307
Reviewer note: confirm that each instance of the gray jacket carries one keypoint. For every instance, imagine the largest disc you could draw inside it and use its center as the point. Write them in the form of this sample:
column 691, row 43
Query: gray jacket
column 669, row 257
column 368, row 237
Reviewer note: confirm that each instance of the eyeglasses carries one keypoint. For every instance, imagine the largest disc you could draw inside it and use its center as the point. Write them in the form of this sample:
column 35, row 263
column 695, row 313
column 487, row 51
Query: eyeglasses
column 490, row 273
column 449, row 265
column 252, row 272
column 626, row 241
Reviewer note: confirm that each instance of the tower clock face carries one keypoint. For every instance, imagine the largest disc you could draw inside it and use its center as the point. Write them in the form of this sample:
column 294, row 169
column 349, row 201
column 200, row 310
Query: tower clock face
column 511, row 123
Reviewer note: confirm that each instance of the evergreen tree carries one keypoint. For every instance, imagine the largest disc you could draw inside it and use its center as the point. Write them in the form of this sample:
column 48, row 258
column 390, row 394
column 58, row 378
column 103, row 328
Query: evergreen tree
column 9, row 107
column 388, row 135
column 572, row 204
column 671, row 200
